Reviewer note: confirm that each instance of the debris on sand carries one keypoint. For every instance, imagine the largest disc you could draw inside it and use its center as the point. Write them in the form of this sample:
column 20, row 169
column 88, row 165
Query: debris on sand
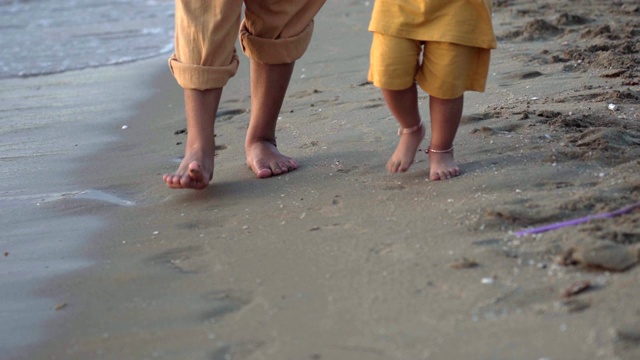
column 573, row 305
column 601, row 254
column 578, row 221
column 576, row 288
column 463, row 263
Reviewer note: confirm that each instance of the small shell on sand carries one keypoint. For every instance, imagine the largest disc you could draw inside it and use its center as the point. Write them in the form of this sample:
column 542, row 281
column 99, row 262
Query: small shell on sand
column 488, row 280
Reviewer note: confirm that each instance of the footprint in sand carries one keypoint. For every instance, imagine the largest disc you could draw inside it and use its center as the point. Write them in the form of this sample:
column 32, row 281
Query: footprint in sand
column 227, row 115
column 218, row 148
column 177, row 259
column 310, row 144
column 566, row 19
column 553, row 185
column 606, row 139
column 474, row 118
column 543, row 299
column 335, row 209
column 371, row 106
column 536, row 29
column 242, row 350
column 221, row 116
column 223, row 302
column 304, row 93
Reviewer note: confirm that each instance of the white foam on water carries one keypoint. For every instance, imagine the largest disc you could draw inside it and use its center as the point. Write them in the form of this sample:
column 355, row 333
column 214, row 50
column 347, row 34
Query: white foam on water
column 50, row 36
column 14, row 198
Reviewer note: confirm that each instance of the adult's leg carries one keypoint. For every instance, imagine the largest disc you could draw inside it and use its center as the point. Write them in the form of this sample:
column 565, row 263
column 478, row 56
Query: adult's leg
column 273, row 35
column 196, row 169
column 445, row 119
column 268, row 87
column 203, row 62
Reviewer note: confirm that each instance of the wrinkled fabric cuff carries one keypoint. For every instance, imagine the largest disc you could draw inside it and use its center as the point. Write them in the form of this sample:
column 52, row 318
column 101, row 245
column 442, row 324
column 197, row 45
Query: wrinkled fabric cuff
column 275, row 51
column 198, row 77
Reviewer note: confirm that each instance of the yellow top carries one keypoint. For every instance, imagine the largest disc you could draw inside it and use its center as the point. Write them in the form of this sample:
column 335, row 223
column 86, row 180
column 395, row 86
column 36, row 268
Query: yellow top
column 465, row 22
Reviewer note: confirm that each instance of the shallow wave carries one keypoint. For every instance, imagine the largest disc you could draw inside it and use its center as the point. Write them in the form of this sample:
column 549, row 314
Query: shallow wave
column 49, row 36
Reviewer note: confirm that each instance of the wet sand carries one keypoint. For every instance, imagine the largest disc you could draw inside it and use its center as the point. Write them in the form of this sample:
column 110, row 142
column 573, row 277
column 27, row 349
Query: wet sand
column 50, row 125
column 340, row 260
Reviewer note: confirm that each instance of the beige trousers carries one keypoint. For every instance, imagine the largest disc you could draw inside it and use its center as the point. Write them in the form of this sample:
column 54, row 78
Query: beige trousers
column 272, row 32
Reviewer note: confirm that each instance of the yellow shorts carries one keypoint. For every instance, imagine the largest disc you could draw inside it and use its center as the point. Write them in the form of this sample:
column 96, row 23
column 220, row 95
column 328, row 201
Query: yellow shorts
column 272, row 32
column 447, row 70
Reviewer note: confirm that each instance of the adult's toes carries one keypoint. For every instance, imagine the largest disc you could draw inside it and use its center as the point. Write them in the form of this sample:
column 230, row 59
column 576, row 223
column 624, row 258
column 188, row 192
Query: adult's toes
column 195, row 171
column 275, row 168
column 264, row 173
column 185, row 181
column 290, row 165
column 170, row 179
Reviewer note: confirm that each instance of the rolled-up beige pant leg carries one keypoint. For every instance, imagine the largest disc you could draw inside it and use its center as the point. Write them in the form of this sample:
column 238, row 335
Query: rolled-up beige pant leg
column 206, row 30
column 278, row 31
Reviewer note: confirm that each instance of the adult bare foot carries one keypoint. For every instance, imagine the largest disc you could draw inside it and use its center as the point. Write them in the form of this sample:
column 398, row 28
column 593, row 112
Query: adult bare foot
column 442, row 165
column 266, row 161
column 405, row 153
column 195, row 172
column 196, row 169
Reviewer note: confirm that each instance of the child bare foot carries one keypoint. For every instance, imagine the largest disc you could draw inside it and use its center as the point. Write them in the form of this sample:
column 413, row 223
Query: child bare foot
column 405, row 153
column 265, row 160
column 442, row 165
column 195, row 172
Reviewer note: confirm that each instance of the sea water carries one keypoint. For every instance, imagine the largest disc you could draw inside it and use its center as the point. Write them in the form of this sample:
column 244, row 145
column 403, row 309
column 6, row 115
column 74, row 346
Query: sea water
column 40, row 37
column 46, row 37
column 60, row 93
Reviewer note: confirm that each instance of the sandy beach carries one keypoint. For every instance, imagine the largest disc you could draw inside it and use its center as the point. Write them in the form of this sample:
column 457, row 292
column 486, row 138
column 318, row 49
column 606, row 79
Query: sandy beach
column 338, row 259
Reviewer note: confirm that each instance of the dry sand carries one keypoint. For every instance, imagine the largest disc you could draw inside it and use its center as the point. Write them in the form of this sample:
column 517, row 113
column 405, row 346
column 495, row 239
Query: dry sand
column 340, row 260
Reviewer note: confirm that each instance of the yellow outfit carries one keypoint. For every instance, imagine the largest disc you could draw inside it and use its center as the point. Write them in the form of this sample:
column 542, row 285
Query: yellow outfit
column 273, row 32
column 457, row 36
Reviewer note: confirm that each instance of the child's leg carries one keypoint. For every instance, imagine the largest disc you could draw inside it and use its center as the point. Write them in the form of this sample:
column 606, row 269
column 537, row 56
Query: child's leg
column 404, row 107
column 445, row 119
column 394, row 62
column 196, row 169
column 268, row 87
column 447, row 71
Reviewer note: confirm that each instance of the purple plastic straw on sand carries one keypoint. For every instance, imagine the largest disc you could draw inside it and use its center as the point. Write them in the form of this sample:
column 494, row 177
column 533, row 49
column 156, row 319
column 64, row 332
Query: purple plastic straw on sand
column 581, row 220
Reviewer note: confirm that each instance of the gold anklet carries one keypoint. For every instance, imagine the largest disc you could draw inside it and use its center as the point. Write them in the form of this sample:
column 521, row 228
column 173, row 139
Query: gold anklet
column 409, row 130
column 429, row 149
